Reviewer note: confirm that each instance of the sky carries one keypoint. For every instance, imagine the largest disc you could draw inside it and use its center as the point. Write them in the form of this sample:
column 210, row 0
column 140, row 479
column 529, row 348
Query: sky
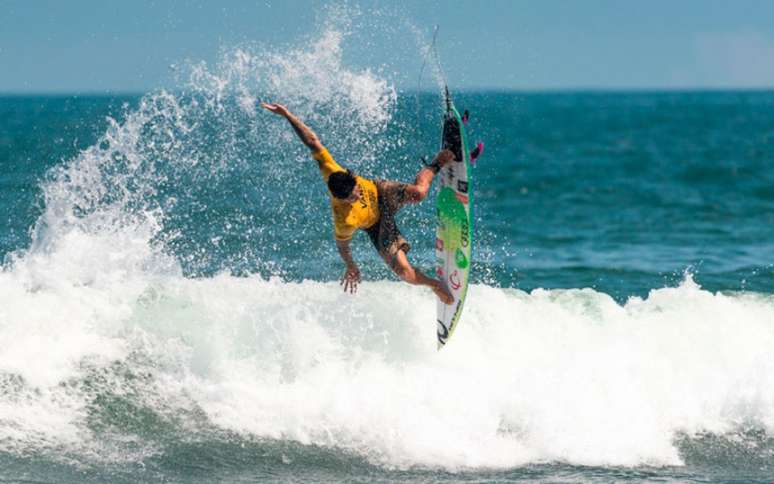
column 103, row 46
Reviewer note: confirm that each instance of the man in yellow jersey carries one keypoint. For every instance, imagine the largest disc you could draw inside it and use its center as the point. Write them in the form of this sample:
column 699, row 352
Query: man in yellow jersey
column 371, row 205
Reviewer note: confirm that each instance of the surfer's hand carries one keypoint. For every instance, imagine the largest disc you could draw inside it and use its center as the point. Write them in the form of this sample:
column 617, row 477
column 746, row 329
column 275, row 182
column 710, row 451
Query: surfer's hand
column 443, row 157
column 351, row 279
column 276, row 108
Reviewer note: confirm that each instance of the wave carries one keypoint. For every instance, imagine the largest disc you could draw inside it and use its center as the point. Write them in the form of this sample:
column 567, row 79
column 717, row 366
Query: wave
column 563, row 375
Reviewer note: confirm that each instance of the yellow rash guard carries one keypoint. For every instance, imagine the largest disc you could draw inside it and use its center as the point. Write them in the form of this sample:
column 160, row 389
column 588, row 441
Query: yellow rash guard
column 348, row 217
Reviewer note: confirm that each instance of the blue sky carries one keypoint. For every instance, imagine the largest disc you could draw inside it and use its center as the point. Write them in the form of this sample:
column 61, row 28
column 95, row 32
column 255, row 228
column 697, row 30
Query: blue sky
column 106, row 46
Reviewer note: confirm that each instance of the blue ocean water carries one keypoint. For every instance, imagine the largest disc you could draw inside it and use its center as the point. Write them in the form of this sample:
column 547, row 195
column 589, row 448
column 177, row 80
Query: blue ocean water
column 620, row 192
column 170, row 307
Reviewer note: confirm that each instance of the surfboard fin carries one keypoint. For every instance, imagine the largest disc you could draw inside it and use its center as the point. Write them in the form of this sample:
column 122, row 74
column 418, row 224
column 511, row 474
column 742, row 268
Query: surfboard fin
column 476, row 152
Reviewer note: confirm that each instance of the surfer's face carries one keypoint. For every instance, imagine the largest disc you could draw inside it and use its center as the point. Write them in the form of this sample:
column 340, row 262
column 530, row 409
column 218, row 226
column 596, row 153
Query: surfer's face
column 355, row 195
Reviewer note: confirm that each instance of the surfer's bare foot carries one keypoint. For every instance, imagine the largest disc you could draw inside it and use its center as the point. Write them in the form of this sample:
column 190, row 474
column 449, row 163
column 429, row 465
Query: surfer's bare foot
column 443, row 157
column 443, row 294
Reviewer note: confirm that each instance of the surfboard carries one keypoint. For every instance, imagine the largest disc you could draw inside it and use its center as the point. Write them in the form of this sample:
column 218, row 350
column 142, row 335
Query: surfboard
column 454, row 233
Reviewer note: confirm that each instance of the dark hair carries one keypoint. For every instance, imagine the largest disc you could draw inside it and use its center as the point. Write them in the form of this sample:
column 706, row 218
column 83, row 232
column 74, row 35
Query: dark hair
column 341, row 183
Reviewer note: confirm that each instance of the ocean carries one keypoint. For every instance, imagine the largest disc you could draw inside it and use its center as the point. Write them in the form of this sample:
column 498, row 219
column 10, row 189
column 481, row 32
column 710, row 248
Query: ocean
column 170, row 307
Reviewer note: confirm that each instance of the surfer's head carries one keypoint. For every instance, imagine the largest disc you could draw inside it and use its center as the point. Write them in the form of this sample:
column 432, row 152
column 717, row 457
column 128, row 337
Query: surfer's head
column 343, row 185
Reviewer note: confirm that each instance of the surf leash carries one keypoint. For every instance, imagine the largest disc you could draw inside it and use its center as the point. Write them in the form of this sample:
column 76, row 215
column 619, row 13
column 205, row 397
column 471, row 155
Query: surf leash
column 434, row 51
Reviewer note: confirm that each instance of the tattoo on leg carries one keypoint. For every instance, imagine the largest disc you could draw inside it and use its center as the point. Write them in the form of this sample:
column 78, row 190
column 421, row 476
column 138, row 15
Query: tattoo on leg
column 402, row 193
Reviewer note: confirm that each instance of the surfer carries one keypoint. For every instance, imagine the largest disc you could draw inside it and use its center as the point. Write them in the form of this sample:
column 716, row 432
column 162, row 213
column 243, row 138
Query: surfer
column 371, row 205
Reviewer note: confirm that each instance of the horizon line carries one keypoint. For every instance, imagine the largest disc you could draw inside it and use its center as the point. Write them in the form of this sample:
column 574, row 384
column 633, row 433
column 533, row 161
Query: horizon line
column 465, row 90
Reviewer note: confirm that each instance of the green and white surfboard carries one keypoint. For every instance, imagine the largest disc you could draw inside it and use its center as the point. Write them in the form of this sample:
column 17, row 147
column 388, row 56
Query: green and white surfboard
column 454, row 235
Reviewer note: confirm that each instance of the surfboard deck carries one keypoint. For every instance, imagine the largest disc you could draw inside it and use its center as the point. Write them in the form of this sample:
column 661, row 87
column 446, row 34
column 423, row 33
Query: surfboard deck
column 454, row 233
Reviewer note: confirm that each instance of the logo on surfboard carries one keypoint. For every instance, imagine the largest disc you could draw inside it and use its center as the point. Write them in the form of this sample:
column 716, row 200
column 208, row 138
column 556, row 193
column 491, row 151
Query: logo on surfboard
column 460, row 259
column 464, row 233
column 454, row 280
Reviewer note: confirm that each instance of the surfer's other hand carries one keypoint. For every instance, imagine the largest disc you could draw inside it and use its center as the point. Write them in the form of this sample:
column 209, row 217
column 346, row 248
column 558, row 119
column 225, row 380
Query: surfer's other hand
column 351, row 279
column 443, row 157
column 276, row 108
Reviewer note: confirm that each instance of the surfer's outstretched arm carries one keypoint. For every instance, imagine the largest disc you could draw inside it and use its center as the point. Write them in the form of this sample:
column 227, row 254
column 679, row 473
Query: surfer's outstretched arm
column 351, row 276
column 418, row 191
column 304, row 132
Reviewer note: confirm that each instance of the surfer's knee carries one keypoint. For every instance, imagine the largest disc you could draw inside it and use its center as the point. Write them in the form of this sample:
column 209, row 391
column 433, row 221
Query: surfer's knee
column 404, row 271
column 408, row 275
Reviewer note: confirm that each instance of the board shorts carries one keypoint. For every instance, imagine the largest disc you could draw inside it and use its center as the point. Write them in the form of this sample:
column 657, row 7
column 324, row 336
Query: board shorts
column 384, row 234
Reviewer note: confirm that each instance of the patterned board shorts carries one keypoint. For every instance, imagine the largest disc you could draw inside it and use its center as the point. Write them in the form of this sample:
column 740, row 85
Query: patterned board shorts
column 384, row 233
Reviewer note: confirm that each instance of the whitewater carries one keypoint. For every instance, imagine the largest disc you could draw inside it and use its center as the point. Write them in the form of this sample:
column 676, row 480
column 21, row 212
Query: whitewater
column 548, row 376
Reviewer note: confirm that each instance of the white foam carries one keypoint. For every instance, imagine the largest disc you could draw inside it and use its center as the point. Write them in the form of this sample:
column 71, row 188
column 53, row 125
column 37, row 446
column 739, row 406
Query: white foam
column 554, row 375
column 549, row 376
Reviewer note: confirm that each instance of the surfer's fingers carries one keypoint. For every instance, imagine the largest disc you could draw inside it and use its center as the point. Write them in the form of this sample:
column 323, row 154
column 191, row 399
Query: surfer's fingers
column 274, row 108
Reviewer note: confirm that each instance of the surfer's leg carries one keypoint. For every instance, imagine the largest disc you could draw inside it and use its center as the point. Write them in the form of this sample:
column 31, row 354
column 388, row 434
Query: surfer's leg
column 398, row 194
column 416, row 192
column 400, row 265
column 391, row 245
column 393, row 195
column 419, row 190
